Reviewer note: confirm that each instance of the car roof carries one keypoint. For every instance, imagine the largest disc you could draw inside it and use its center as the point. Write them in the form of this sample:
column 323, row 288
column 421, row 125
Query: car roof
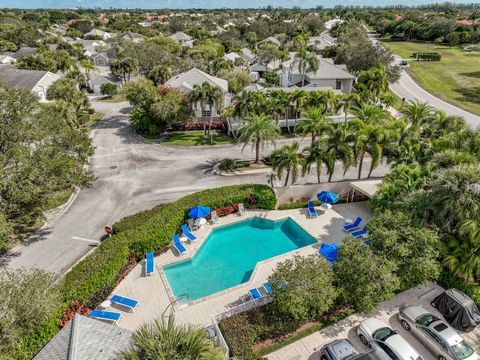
column 402, row 347
column 446, row 332
column 342, row 348
column 372, row 324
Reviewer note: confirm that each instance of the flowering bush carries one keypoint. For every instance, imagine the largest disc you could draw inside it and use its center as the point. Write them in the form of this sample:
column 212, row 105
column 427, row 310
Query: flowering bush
column 196, row 125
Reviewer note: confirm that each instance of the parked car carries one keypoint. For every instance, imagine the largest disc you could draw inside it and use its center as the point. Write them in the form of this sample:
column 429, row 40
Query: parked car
column 378, row 335
column 403, row 62
column 343, row 349
column 441, row 339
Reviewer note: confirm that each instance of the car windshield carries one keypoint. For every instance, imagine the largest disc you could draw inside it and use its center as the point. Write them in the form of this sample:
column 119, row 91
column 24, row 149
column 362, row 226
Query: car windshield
column 426, row 319
column 383, row 333
column 462, row 350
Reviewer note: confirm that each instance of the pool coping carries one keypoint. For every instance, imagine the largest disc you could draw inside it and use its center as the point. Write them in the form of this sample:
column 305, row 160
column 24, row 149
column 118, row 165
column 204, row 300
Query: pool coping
column 177, row 305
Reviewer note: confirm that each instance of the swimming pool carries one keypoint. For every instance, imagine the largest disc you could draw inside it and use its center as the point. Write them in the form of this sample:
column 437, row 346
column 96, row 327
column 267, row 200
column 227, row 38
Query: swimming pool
column 228, row 256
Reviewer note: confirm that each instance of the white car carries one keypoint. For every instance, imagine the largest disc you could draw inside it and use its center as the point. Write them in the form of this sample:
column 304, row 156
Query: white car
column 378, row 335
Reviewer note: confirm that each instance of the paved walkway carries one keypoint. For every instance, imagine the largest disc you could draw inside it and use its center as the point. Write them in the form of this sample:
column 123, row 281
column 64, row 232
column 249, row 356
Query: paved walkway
column 156, row 298
column 307, row 348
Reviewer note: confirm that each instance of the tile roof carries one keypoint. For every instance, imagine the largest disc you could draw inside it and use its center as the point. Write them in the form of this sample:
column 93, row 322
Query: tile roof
column 197, row 77
column 84, row 338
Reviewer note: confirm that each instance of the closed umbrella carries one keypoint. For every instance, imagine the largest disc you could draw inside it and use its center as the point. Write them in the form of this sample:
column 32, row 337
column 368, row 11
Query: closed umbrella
column 199, row 212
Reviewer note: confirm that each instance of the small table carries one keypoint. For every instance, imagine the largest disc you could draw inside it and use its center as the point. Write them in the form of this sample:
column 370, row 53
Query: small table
column 105, row 304
column 183, row 238
column 200, row 222
column 348, row 221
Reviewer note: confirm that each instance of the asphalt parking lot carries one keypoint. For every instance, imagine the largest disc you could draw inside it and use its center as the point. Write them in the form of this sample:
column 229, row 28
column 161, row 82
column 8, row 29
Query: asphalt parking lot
column 307, row 348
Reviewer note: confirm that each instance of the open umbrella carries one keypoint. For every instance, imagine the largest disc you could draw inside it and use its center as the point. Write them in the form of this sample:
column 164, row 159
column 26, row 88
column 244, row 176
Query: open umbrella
column 327, row 197
column 199, row 212
column 329, row 251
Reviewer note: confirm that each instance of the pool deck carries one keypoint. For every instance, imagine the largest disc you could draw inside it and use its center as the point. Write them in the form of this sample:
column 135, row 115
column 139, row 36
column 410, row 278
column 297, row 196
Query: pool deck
column 154, row 293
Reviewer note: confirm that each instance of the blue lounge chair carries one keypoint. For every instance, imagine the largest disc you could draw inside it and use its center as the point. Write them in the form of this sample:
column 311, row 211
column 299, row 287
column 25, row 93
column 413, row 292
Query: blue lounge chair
column 187, row 233
column 311, row 209
column 149, row 264
column 359, row 233
column 177, row 244
column 353, row 225
column 255, row 294
column 109, row 316
column 123, row 301
column 267, row 288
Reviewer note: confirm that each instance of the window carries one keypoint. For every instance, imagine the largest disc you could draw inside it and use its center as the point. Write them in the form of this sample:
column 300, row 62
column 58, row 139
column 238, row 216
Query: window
column 338, row 85
column 435, row 338
column 206, row 113
column 426, row 319
column 383, row 334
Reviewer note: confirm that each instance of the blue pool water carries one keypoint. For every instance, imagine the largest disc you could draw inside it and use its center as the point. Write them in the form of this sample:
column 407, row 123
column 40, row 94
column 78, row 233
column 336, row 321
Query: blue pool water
column 228, row 256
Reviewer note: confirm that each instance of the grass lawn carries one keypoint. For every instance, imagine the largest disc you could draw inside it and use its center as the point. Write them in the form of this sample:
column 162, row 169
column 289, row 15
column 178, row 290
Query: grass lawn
column 455, row 79
column 57, row 198
column 114, row 99
column 193, row 138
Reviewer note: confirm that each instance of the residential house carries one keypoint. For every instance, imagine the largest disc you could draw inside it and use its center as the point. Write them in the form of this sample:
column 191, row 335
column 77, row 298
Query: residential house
column 182, row 39
column 35, row 81
column 248, row 55
column 104, row 58
column 271, row 40
column 186, row 81
column 231, row 56
column 96, row 82
column 328, row 76
column 23, row 51
column 91, row 46
column 321, row 42
column 84, row 338
column 96, row 32
column 131, row 36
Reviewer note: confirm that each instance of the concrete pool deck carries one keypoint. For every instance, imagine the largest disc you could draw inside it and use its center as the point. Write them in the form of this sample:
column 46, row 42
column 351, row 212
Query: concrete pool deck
column 154, row 293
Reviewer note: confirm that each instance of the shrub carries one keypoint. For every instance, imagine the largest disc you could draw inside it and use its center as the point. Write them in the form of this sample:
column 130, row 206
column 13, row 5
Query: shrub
column 196, row 125
column 108, row 89
column 228, row 164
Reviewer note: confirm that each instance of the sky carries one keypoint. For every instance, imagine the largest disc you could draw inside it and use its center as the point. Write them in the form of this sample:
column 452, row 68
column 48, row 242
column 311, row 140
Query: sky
column 184, row 4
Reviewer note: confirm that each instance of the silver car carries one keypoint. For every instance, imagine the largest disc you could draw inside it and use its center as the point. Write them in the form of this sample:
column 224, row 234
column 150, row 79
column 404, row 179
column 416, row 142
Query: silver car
column 435, row 334
column 378, row 335
column 343, row 349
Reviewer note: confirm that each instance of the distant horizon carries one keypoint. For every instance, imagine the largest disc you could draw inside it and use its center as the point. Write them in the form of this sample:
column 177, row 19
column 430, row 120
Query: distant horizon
column 211, row 4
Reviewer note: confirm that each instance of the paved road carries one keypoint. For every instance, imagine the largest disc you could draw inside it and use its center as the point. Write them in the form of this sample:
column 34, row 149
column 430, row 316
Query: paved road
column 407, row 88
column 131, row 175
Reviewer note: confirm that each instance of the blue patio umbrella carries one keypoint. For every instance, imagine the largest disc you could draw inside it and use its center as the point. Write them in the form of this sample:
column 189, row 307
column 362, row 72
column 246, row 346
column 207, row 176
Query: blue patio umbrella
column 327, row 197
column 329, row 251
column 199, row 212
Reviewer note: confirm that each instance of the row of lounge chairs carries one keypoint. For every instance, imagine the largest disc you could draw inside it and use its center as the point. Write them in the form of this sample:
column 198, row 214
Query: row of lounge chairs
column 355, row 225
column 260, row 292
column 113, row 316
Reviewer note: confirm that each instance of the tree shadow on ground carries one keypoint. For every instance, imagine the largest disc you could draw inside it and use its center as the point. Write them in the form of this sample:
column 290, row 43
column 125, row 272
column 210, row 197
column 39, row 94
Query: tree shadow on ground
column 474, row 74
column 471, row 94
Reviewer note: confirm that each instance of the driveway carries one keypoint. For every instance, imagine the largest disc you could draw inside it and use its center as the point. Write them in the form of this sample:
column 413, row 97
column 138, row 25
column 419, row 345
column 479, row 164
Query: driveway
column 407, row 88
column 131, row 175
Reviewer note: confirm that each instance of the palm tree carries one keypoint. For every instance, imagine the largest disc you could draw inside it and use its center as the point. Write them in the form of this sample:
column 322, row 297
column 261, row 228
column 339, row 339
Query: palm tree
column 207, row 94
column 370, row 140
column 258, row 130
column 369, row 113
column 306, row 60
column 89, row 66
column 297, row 99
column 286, row 159
column 163, row 340
column 416, row 113
column 314, row 122
column 339, row 140
column 318, row 155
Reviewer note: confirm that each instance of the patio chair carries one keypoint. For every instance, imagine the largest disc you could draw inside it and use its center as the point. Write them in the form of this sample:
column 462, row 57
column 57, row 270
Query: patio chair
column 149, row 264
column 354, row 225
column 267, row 288
column 241, row 209
column 130, row 304
column 254, row 294
column 214, row 216
column 359, row 233
column 311, row 210
column 177, row 244
column 107, row 316
column 187, row 233
column 191, row 224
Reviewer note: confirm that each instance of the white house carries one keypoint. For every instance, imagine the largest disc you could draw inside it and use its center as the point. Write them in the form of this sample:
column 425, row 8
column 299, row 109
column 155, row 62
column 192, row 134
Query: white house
column 186, row 81
column 182, row 39
column 103, row 34
column 271, row 40
column 248, row 55
column 35, row 81
column 96, row 83
column 231, row 56
column 328, row 76
column 131, row 36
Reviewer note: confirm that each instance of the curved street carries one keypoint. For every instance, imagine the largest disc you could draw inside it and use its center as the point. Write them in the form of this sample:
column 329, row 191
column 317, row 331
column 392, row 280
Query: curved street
column 132, row 175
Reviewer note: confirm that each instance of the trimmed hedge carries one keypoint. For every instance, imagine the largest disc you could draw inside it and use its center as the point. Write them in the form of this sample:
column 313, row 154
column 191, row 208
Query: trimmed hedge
column 92, row 279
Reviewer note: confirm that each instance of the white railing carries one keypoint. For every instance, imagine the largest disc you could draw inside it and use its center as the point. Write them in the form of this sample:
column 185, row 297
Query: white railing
column 245, row 306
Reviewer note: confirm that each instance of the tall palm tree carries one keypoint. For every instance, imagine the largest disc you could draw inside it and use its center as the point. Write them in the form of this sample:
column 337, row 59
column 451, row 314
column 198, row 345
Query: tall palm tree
column 212, row 96
column 163, row 340
column 276, row 103
column 306, row 60
column 416, row 113
column 369, row 113
column 258, row 130
column 339, row 140
column 297, row 100
column 370, row 140
column 318, row 155
column 286, row 159
column 89, row 67
column 314, row 122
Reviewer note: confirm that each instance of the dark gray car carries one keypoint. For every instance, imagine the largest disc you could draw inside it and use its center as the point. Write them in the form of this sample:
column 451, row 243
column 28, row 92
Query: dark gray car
column 343, row 349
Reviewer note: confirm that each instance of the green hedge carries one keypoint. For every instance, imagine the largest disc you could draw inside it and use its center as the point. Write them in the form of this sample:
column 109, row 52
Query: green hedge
column 93, row 278
column 303, row 204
